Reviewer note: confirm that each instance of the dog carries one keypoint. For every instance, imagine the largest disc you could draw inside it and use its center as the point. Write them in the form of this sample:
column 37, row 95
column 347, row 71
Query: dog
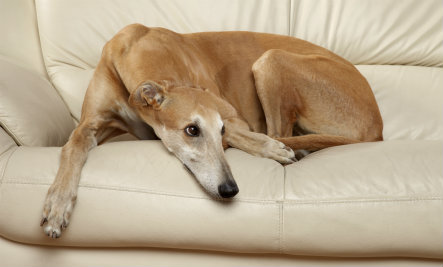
column 272, row 96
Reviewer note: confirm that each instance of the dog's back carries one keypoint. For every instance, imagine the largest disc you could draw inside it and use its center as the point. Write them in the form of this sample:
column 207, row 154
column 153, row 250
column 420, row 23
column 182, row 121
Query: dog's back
column 219, row 61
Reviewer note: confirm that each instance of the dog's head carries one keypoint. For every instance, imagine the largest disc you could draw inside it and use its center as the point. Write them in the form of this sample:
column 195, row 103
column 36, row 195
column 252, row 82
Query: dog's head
column 187, row 121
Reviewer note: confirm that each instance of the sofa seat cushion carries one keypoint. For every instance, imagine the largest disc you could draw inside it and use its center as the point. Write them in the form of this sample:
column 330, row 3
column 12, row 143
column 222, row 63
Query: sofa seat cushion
column 385, row 196
column 356, row 200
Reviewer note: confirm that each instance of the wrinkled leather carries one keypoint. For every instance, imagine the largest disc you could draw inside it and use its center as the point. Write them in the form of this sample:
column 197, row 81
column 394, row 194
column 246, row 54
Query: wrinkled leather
column 382, row 32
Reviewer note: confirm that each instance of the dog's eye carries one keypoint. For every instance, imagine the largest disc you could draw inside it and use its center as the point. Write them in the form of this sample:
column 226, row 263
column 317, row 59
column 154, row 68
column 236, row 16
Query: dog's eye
column 192, row 130
column 223, row 130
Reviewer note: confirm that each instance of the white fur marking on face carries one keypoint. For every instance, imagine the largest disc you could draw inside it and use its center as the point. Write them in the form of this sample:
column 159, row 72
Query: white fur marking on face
column 199, row 119
column 203, row 123
column 202, row 156
column 163, row 133
column 219, row 121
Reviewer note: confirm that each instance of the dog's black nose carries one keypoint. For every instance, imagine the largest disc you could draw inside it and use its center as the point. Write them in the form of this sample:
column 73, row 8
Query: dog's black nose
column 228, row 189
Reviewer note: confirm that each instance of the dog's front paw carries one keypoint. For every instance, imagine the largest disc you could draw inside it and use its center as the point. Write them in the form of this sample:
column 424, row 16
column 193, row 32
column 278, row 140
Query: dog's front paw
column 56, row 212
column 278, row 151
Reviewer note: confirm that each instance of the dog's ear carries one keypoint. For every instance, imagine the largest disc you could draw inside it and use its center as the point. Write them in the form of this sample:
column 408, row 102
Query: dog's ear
column 149, row 93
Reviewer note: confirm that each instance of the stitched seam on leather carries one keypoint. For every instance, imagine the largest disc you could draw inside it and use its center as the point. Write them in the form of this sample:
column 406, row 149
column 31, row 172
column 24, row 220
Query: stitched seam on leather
column 261, row 202
column 267, row 202
column 354, row 201
column 280, row 227
column 144, row 191
column 282, row 219
column 8, row 149
column 6, row 164
column 11, row 133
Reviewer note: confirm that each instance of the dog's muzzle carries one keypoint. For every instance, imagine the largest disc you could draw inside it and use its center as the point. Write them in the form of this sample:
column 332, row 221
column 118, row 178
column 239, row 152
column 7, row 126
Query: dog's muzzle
column 228, row 189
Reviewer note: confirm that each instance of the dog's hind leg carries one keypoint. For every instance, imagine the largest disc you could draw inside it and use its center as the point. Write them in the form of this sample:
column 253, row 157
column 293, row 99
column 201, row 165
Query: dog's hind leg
column 277, row 95
column 320, row 95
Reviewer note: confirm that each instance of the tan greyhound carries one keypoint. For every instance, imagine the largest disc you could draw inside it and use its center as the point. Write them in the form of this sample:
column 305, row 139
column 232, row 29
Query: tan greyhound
column 202, row 92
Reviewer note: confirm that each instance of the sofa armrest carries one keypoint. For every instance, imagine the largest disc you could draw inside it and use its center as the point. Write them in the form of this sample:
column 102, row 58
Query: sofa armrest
column 384, row 202
column 31, row 111
column 158, row 202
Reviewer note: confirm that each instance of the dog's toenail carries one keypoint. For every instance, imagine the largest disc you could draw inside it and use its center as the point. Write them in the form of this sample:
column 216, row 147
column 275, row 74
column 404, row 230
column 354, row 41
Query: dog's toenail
column 43, row 221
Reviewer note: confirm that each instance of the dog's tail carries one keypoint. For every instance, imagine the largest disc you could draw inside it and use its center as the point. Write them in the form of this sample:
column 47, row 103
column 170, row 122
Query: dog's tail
column 314, row 142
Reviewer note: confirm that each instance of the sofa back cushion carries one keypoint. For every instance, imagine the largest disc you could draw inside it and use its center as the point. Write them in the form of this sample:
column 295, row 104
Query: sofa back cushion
column 73, row 33
column 380, row 32
column 20, row 41
column 31, row 111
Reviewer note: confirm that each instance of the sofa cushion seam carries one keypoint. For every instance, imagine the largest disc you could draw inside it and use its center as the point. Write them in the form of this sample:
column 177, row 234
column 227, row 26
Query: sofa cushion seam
column 281, row 218
column 12, row 150
column 356, row 201
column 273, row 202
column 280, row 228
column 152, row 192
column 11, row 133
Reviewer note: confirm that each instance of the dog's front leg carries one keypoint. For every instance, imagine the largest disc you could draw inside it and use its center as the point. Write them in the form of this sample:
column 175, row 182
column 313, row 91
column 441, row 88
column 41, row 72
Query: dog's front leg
column 238, row 135
column 62, row 194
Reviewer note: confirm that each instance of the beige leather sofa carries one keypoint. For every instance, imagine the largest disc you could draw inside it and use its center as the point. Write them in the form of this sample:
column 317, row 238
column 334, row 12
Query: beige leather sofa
column 357, row 205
